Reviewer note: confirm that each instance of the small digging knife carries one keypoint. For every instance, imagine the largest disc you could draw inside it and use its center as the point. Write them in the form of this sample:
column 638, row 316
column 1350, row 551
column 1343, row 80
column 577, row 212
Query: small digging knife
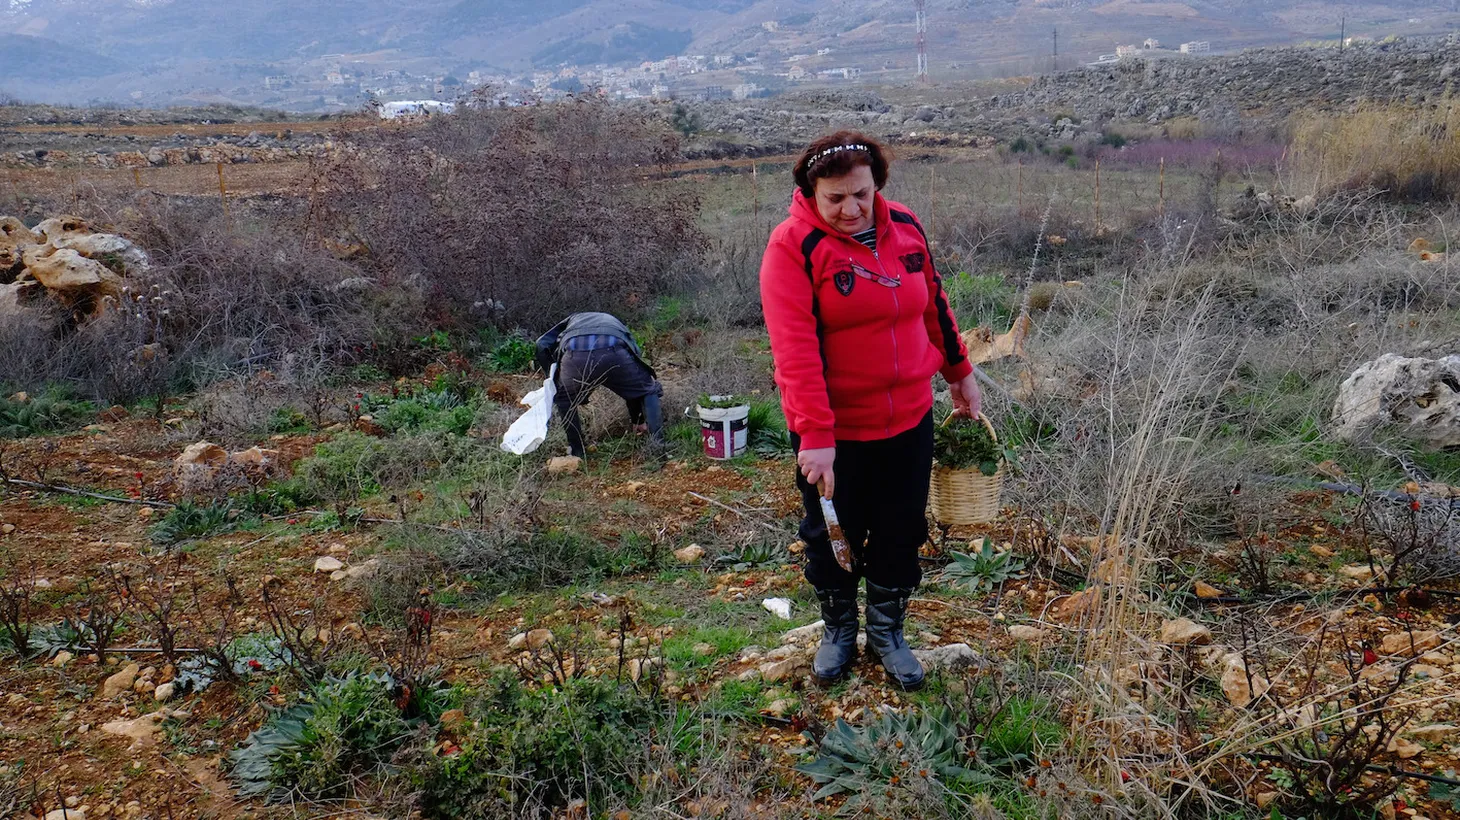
column 839, row 546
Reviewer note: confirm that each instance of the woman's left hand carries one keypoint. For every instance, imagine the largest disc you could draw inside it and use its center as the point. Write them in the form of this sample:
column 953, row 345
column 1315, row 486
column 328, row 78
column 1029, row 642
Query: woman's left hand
column 967, row 400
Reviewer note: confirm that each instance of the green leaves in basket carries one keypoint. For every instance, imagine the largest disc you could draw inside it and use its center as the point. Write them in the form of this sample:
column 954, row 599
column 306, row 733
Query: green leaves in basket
column 963, row 443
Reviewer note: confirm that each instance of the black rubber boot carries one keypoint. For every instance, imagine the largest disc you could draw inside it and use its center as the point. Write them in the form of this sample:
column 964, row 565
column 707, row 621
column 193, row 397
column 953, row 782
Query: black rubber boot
column 886, row 609
column 838, row 636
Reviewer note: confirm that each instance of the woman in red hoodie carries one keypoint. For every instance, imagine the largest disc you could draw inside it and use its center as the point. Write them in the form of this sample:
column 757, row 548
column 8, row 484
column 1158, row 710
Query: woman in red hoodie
column 859, row 323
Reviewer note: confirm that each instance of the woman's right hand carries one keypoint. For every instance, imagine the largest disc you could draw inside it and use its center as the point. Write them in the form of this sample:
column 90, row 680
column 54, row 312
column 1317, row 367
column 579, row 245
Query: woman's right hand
column 816, row 465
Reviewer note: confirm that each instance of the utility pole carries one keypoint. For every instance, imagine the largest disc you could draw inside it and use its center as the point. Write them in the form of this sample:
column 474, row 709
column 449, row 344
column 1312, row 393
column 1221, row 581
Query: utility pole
column 1054, row 54
column 921, row 6
column 1342, row 31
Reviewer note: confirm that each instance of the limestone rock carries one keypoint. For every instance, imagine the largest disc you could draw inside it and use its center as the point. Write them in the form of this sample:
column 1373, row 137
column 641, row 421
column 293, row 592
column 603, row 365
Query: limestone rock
column 120, row 682
column 951, row 657
column 1236, row 685
column 202, row 454
column 703, row 650
column 640, row 668
column 1420, row 397
column 1206, row 591
column 1435, row 733
column 1404, row 749
column 804, row 634
column 538, row 638
column 564, row 465
column 776, row 671
column 62, row 658
column 1398, row 643
column 328, row 563
column 691, row 554
column 142, row 731
column 1025, row 633
column 66, row 814
column 779, row 707
column 164, row 692
column 1185, row 632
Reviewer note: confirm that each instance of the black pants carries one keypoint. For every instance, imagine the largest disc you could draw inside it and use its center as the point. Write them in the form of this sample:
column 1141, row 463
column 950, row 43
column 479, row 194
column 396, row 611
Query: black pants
column 881, row 499
column 580, row 372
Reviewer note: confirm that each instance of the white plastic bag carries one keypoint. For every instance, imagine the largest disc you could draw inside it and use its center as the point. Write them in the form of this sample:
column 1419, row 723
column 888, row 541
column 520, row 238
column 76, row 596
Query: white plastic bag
column 530, row 430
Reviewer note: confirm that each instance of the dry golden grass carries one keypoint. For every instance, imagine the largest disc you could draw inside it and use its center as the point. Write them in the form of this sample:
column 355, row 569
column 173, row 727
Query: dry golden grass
column 1410, row 151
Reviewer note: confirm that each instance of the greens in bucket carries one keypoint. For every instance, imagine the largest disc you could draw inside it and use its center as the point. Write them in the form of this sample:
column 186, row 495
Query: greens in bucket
column 963, row 443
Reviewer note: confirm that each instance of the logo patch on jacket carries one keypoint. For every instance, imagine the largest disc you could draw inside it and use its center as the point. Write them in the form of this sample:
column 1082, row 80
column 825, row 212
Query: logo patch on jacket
column 914, row 262
column 844, row 279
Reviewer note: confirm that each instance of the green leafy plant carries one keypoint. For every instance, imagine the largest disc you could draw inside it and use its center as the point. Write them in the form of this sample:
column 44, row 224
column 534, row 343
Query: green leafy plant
column 344, row 728
column 288, row 420
column 512, row 355
column 709, row 402
column 48, row 412
column 986, row 569
column 1446, row 793
column 964, row 443
column 189, row 520
column 766, row 430
column 754, row 554
column 578, row 739
column 917, row 750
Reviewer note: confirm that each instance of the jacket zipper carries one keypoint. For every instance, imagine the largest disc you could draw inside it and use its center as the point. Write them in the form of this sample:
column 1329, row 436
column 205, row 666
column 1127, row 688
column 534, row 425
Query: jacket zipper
column 896, row 359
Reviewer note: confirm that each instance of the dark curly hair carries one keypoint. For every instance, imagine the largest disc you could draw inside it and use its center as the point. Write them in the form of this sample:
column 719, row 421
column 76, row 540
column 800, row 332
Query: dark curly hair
column 837, row 154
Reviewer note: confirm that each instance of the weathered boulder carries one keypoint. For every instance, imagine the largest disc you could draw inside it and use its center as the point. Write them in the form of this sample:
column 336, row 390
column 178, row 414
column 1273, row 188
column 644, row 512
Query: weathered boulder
column 67, row 273
column 1419, row 397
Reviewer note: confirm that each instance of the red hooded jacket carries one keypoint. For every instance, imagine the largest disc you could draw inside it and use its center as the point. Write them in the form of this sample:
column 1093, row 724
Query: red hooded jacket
column 854, row 356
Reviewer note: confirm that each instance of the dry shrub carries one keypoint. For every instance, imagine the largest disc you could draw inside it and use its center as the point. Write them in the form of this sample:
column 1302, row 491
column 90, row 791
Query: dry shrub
column 1407, row 151
column 223, row 297
column 515, row 216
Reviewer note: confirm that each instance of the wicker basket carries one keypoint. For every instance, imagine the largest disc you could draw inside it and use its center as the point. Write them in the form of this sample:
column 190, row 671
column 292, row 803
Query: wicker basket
column 966, row 496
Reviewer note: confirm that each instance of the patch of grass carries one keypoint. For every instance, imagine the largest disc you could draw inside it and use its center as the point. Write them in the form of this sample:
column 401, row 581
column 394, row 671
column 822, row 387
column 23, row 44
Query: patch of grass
column 49, row 412
column 980, row 300
column 1021, row 732
column 190, row 520
column 512, row 355
column 726, row 640
column 286, row 420
column 738, row 699
column 578, row 740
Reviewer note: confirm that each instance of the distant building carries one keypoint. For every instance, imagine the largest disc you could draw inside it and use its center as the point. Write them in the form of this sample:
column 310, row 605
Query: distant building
column 844, row 73
column 1122, row 52
column 822, row 52
column 401, row 109
column 1196, row 47
column 1151, row 44
column 659, row 91
column 715, row 92
column 724, row 59
column 797, row 73
column 771, row 25
column 745, row 91
column 334, row 78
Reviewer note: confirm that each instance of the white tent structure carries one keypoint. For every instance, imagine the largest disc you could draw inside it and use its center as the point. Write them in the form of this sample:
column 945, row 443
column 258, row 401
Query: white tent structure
column 414, row 108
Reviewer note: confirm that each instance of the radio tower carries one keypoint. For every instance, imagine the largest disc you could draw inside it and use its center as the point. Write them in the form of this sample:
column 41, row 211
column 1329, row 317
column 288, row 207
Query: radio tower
column 922, row 40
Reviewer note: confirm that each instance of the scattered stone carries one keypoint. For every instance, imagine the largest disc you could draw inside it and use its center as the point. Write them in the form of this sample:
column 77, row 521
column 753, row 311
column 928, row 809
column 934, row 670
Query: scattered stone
column 120, row 682
column 144, row 686
column 690, row 554
column 142, row 731
column 780, row 607
column 15, row 699
column 43, row 583
column 146, row 513
column 365, row 570
column 453, row 720
column 951, row 657
column 62, row 658
column 1185, row 632
column 1435, row 733
column 779, row 708
column 1357, row 572
column 703, row 650
column 326, row 563
column 202, row 454
column 519, row 641
column 6, row 529
column 776, row 671
column 1236, row 684
column 804, row 634
column 1404, row 749
column 1320, row 551
column 538, row 638
column 1399, row 643
column 1424, row 670
column 564, row 465
column 164, row 692
column 1078, row 605
column 1206, row 591
column 66, row 814
column 642, row 667
column 1265, row 799
column 1025, row 633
